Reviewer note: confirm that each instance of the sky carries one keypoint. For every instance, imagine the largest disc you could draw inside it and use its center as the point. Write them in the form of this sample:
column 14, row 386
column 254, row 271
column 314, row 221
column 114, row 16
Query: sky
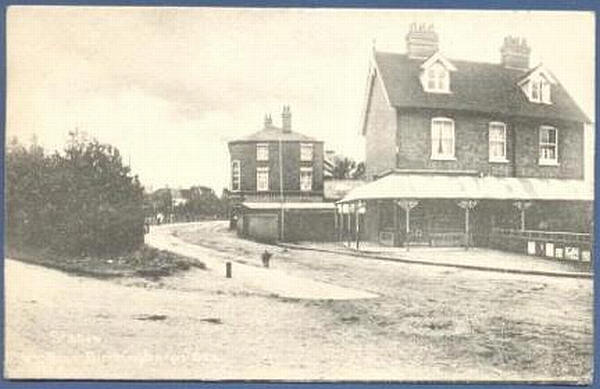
column 171, row 86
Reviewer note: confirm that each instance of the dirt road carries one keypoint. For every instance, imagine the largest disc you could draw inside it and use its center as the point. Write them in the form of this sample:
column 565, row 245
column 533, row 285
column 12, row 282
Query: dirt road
column 253, row 275
column 427, row 323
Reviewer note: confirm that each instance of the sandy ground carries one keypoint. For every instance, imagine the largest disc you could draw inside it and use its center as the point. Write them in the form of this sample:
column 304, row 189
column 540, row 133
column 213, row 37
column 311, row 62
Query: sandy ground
column 428, row 323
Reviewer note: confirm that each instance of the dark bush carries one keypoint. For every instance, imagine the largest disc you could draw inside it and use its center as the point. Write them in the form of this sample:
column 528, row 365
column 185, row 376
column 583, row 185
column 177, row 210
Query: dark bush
column 80, row 202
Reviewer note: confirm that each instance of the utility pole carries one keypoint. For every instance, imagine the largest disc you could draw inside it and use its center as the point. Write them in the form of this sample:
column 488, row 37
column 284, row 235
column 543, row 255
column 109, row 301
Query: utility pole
column 282, row 218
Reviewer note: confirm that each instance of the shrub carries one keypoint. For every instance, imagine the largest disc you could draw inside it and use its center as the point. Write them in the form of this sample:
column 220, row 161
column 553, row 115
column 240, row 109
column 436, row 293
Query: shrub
column 80, row 202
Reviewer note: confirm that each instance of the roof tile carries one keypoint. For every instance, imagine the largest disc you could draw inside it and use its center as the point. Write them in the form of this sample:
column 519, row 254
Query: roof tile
column 475, row 86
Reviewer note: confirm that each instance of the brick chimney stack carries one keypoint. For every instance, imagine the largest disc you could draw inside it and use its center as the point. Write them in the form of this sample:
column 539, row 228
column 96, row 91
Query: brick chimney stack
column 515, row 53
column 286, row 119
column 421, row 41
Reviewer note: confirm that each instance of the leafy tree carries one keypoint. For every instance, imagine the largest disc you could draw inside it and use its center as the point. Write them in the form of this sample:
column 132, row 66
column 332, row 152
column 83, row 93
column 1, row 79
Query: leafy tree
column 347, row 168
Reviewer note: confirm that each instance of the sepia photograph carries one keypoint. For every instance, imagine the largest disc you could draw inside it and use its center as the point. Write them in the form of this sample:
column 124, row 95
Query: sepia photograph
column 299, row 194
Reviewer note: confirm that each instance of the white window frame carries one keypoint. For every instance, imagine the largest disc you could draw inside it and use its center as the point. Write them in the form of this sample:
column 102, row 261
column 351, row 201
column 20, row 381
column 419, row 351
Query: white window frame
column 548, row 161
column 543, row 87
column 493, row 158
column 262, row 151
column 236, row 173
column 260, row 171
column 443, row 157
column 439, row 76
column 304, row 149
column 306, row 170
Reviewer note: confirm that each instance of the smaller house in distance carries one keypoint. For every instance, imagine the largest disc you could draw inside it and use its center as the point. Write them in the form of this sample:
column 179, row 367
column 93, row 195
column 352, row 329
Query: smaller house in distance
column 277, row 184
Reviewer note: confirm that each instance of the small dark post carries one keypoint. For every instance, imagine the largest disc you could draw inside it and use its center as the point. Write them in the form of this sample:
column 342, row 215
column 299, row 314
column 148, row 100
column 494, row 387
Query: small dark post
column 228, row 269
column 266, row 256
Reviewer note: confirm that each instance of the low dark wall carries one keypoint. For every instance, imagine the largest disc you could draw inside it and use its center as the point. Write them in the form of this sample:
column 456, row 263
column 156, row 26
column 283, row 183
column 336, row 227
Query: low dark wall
column 300, row 225
column 309, row 225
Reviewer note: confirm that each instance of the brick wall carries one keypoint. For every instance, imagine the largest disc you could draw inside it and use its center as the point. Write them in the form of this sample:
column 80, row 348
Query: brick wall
column 246, row 154
column 472, row 150
column 570, row 150
column 380, row 137
column 471, row 143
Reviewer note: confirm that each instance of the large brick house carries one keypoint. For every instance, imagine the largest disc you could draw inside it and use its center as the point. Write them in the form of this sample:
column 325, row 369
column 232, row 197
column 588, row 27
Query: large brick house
column 277, row 174
column 454, row 145
column 257, row 173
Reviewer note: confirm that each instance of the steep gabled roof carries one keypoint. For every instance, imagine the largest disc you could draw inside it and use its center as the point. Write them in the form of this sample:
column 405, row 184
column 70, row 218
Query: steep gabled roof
column 274, row 134
column 475, row 86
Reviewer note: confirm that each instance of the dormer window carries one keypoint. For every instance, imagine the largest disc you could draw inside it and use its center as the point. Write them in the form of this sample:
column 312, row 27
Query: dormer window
column 435, row 76
column 539, row 91
column 537, row 86
column 438, row 79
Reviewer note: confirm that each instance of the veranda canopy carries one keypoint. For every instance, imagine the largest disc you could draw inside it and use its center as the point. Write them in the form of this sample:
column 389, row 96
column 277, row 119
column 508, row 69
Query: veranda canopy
column 423, row 186
column 297, row 205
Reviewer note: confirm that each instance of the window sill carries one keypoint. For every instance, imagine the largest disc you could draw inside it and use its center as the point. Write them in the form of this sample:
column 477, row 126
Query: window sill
column 499, row 160
column 439, row 92
column 540, row 102
column 548, row 163
column 442, row 158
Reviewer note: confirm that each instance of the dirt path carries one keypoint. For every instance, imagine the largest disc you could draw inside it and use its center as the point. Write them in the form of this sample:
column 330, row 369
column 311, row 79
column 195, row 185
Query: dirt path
column 271, row 281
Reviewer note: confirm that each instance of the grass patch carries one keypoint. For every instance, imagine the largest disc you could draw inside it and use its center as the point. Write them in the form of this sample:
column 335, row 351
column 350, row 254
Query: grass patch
column 145, row 262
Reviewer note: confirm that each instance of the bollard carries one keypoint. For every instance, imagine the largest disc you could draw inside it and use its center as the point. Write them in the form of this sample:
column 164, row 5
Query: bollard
column 228, row 270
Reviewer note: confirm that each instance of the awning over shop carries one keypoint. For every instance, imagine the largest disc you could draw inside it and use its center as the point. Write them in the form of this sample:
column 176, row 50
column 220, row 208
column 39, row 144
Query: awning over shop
column 289, row 206
column 422, row 186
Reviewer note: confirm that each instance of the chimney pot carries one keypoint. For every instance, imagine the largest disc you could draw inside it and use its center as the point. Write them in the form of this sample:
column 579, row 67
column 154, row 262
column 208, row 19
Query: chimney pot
column 421, row 41
column 286, row 119
column 268, row 121
column 515, row 52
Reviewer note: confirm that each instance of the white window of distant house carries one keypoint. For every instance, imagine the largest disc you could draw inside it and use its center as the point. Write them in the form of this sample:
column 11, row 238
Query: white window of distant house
column 548, row 145
column 262, row 179
column 497, row 142
column 236, row 175
column 306, row 175
column 262, row 152
column 442, row 138
column 306, row 152
column 438, row 79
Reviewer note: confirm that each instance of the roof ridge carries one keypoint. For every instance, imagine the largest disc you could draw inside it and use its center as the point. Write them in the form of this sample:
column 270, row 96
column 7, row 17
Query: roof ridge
column 421, row 60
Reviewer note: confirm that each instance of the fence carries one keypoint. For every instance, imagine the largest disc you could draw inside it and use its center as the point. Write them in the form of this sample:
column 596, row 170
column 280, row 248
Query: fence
column 548, row 244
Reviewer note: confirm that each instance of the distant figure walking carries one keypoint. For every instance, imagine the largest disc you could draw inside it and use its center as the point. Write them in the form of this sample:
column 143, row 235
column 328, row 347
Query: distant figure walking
column 159, row 218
